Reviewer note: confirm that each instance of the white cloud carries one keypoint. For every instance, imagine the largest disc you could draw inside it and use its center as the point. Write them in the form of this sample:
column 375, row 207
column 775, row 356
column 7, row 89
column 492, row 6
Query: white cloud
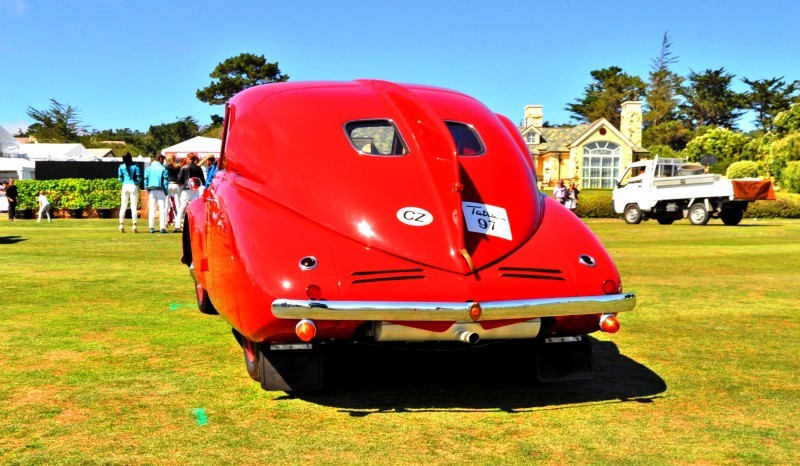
column 15, row 7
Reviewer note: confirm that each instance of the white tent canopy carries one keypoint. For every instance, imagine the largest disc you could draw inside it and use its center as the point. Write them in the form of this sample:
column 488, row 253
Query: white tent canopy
column 200, row 145
column 9, row 146
column 52, row 151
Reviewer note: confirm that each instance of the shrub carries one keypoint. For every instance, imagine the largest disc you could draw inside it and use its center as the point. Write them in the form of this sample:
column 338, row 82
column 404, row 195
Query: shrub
column 785, row 206
column 71, row 193
column 743, row 169
column 790, row 178
column 595, row 204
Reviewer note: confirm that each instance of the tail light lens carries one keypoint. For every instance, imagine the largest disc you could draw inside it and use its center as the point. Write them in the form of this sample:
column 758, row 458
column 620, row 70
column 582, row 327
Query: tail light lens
column 610, row 287
column 306, row 330
column 609, row 323
column 314, row 292
column 475, row 311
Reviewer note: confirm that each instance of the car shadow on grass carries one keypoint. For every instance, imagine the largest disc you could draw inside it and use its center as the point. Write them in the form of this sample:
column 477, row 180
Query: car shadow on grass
column 11, row 239
column 369, row 380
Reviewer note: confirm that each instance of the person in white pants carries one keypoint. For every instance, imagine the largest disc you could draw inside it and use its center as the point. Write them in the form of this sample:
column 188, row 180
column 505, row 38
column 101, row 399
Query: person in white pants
column 130, row 176
column 173, row 188
column 44, row 206
column 155, row 181
column 190, row 191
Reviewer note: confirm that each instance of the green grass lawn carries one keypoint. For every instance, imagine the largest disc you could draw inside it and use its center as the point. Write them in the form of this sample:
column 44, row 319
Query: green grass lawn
column 105, row 359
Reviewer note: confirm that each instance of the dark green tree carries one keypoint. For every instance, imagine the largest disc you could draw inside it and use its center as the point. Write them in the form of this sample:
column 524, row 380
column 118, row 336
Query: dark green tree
column 663, row 90
column 238, row 73
column 603, row 98
column 168, row 134
column 59, row 123
column 670, row 133
column 710, row 101
column 768, row 97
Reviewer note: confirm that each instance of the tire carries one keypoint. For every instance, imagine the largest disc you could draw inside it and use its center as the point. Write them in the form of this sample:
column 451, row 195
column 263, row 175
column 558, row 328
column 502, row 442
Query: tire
column 203, row 301
column 698, row 214
column 290, row 370
column 632, row 214
column 731, row 217
column 252, row 356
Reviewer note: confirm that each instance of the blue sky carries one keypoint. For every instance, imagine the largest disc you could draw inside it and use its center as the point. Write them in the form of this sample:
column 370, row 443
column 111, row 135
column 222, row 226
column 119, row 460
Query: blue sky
column 134, row 63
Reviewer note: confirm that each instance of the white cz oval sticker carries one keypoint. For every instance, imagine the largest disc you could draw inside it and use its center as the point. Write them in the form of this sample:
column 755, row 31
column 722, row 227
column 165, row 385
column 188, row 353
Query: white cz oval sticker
column 414, row 216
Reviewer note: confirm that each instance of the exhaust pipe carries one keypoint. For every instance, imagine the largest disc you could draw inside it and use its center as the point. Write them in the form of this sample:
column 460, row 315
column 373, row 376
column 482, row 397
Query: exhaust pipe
column 467, row 337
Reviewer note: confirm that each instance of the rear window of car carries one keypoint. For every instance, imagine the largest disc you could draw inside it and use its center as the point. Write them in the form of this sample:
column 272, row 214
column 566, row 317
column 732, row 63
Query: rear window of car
column 466, row 138
column 376, row 137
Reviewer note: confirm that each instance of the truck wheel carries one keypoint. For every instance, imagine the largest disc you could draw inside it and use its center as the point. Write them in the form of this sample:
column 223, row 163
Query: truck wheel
column 290, row 370
column 698, row 214
column 731, row 217
column 633, row 214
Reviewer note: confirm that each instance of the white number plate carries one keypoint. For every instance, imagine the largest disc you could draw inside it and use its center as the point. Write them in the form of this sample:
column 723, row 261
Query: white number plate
column 487, row 219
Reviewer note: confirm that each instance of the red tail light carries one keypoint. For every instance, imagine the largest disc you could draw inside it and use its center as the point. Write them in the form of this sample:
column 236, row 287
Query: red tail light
column 609, row 323
column 314, row 292
column 475, row 311
column 610, row 287
column 305, row 330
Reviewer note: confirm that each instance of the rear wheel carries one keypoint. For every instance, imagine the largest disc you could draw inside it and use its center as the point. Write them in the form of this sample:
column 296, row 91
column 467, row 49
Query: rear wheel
column 698, row 214
column 251, row 356
column 731, row 216
column 633, row 214
column 203, row 301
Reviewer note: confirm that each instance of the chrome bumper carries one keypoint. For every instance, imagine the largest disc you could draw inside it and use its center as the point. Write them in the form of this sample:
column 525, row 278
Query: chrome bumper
column 451, row 311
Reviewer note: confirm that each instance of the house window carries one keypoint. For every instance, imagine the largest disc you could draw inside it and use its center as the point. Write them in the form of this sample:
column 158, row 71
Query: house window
column 601, row 162
column 531, row 138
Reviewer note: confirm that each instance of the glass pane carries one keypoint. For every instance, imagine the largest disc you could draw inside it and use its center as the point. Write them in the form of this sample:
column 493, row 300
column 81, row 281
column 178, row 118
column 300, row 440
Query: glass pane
column 466, row 139
column 375, row 137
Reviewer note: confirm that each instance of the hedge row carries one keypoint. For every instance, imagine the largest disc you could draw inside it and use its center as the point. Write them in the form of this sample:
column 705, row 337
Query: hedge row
column 70, row 193
column 597, row 204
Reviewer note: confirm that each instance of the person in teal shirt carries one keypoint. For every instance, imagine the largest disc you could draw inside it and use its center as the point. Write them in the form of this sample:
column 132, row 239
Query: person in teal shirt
column 155, row 182
column 130, row 176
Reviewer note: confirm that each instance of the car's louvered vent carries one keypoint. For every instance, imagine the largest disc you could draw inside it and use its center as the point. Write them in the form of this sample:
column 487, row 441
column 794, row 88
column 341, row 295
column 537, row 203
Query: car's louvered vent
column 532, row 273
column 371, row 276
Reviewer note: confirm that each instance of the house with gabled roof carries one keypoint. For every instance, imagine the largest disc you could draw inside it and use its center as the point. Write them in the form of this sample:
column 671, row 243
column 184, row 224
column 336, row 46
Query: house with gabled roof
column 591, row 154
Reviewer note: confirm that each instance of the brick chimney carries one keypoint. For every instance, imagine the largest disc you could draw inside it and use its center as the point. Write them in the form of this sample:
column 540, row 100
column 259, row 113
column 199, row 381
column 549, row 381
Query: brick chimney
column 630, row 123
column 534, row 116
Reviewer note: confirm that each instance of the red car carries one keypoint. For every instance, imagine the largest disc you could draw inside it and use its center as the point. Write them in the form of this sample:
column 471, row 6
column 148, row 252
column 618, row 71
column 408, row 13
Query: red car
column 394, row 214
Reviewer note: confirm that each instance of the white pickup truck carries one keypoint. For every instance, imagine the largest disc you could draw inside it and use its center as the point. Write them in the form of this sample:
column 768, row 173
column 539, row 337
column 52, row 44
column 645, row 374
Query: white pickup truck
column 671, row 189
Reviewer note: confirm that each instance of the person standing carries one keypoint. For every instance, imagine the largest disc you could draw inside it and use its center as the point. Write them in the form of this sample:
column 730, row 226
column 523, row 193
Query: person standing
column 560, row 192
column 173, row 188
column 11, row 195
column 44, row 206
column 212, row 170
column 155, row 181
column 572, row 197
column 130, row 176
column 189, row 186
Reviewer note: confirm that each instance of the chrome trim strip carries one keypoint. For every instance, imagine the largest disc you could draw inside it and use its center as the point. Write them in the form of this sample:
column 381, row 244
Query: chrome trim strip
column 451, row 311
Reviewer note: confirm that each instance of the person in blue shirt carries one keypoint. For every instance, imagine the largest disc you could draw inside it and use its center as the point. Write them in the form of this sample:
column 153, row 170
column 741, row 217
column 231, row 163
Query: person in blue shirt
column 212, row 170
column 155, row 182
column 130, row 176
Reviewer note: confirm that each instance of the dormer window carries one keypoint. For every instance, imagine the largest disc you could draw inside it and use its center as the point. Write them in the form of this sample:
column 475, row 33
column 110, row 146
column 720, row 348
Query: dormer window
column 532, row 138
